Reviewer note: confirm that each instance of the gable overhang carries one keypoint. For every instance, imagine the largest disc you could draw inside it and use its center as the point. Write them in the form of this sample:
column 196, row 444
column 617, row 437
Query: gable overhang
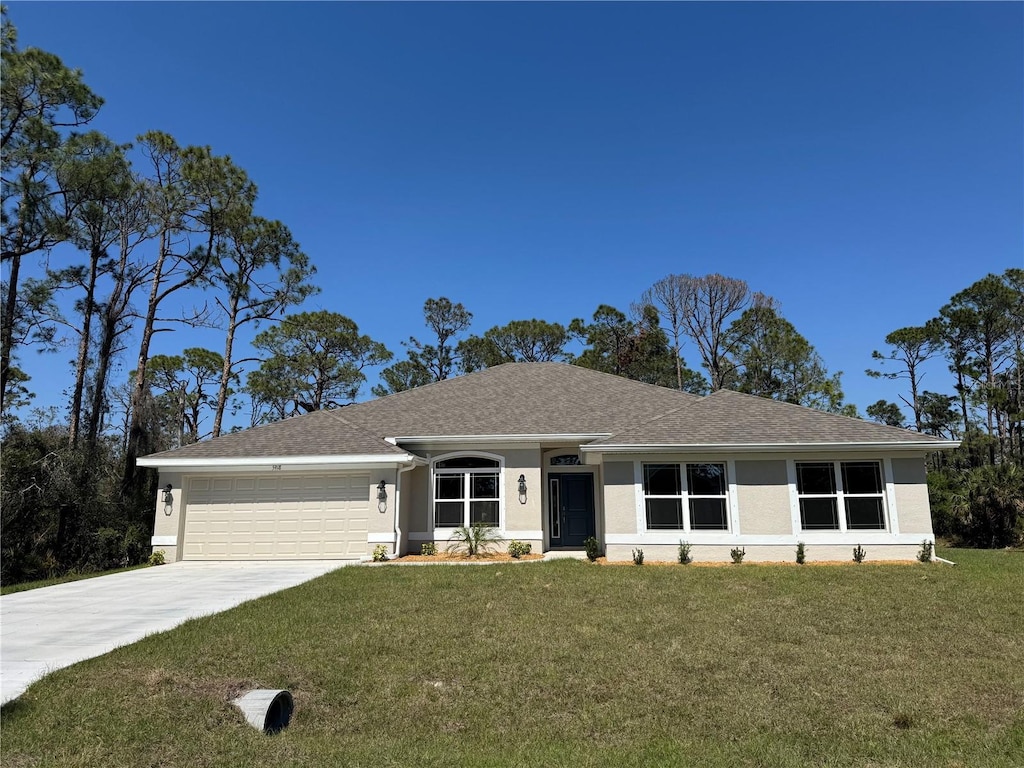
column 276, row 463
column 907, row 446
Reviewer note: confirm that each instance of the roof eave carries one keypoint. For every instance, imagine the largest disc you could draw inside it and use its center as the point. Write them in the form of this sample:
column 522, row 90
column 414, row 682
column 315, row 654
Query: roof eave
column 257, row 463
column 909, row 446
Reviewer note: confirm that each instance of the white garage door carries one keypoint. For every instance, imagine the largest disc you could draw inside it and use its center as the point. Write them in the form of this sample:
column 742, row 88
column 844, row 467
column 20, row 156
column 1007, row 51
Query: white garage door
column 285, row 516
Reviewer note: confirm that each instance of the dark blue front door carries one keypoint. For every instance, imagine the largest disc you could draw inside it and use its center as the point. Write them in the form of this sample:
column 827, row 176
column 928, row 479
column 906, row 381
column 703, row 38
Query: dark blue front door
column 571, row 508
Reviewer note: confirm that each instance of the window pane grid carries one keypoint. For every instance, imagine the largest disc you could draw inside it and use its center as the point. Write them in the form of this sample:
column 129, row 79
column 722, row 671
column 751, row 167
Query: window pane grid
column 467, row 491
column 855, row 486
column 699, row 504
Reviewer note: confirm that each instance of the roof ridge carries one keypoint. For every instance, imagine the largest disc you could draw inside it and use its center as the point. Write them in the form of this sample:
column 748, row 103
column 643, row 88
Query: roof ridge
column 617, row 376
column 422, row 387
column 511, row 364
column 335, row 414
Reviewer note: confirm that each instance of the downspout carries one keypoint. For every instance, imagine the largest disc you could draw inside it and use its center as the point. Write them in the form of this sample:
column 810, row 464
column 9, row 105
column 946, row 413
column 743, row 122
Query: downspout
column 398, row 506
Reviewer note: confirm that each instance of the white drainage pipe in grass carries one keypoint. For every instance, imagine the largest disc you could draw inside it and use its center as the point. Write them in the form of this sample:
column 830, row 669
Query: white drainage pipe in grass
column 266, row 710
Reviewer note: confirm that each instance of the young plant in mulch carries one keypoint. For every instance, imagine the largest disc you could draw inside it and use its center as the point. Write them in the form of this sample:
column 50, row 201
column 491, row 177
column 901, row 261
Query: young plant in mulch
column 684, row 553
column 924, row 554
column 737, row 554
column 801, row 553
column 518, row 549
column 380, row 553
column 859, row 554
column 638, row 557
column 428, row 549
column 592, row 548
column 474, row 540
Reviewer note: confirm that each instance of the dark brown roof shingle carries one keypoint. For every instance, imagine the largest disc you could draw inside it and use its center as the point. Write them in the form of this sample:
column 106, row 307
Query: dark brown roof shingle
column 321, row 433
column 731, row 418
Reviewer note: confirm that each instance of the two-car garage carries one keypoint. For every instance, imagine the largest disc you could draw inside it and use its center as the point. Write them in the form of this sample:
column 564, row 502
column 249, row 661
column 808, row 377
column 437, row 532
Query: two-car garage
column 282, row 515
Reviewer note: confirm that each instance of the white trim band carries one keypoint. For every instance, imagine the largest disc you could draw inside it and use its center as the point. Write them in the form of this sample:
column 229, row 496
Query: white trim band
column 164, row 541
column 282, row 463
column 442, row 534
column 933, row 445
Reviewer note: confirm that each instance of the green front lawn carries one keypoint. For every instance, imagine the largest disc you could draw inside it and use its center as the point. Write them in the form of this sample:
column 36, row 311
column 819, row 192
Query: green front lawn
column 568, row 663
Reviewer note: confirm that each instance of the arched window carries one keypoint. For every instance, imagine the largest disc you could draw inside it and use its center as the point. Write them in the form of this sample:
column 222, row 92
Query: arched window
column 467, row 491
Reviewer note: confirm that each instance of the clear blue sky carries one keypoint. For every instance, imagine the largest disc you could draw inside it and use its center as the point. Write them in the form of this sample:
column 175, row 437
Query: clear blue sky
column 859, row 162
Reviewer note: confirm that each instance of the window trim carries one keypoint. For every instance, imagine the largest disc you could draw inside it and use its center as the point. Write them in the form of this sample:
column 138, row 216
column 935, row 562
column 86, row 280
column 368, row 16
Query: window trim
column 466, row 473
column 840, row 495
column 684, row 497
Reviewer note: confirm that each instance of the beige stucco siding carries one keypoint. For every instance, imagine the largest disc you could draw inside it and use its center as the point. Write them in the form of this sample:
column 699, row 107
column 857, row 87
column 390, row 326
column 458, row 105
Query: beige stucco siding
column 910, row 479
column 416, row 499
column 619, row 497
column 782, row 553
column 522, row 514
column 168, row 518
column 762, row 492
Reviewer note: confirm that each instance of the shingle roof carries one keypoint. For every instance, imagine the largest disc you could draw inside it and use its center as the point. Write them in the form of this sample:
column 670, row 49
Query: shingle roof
column 518, row 399
column 321, row 433
column 545, row 399
column 732, row 418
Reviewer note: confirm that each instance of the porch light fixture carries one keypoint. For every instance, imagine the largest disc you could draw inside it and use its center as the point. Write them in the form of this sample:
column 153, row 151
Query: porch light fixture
column 168, row 499
column 382, row 496
column 522, row 489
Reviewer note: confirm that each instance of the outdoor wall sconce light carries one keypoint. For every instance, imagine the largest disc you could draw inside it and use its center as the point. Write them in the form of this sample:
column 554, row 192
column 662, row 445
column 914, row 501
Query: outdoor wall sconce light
column 168, row 499
column 522, row 489
column 382, row 496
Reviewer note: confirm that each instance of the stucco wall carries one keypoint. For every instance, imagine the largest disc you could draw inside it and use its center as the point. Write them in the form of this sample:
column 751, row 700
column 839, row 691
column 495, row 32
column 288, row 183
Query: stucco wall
column 911, row 483
column 416, row 494
column 166, row 526
column 619, row 498
column 522, row 514
column 762, row 492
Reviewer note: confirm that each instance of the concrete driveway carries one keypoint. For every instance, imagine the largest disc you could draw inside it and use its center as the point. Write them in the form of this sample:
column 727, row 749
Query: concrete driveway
column 42, row 630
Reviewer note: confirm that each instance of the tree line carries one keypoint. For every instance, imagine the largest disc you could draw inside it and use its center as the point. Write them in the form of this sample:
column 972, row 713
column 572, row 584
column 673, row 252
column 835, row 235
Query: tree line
column 169, row 236
column 976, row 491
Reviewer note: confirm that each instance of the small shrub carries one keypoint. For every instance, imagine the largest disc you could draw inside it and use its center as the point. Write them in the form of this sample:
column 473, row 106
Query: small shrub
column 801, row 552
column 638, row 557
column 592, row 548
column 859, row 554
column 474, row 540
column 737, row 554
column 684, row 553
column 519, row 548
column 924, row 554
column 380, row 553
column 428, row 548
column 157, row 558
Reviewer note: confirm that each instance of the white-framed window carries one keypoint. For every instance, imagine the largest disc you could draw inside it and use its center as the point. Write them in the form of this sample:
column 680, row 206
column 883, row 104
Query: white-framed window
column 686, row 497
column 855, row 487
column 467, row 490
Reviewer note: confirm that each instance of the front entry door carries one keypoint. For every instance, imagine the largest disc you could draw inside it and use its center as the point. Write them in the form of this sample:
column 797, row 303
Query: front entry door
column 571, row 508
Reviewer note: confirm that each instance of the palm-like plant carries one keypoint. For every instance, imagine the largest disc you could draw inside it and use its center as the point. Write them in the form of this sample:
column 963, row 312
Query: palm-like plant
column 474, row 540
column 989, row 507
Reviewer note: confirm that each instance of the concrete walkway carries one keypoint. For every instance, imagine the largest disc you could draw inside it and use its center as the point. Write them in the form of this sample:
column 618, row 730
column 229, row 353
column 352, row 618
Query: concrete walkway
column 42, row 630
